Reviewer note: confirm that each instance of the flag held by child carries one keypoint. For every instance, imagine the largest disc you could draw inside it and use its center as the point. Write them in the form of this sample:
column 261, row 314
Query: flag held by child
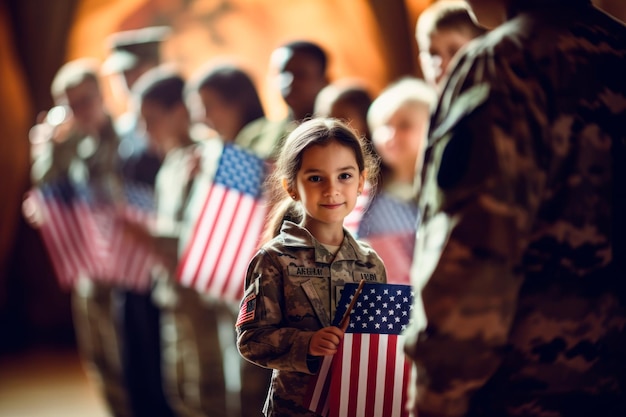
column 228, row 229
column 369, row 374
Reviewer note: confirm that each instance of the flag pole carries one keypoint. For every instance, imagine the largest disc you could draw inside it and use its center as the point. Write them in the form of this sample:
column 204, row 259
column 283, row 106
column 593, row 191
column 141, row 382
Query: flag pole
column 343, row 324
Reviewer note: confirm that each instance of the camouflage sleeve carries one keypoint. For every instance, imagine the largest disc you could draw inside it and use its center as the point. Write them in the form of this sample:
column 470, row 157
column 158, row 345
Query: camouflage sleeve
column 481, row 187
column 261, row 336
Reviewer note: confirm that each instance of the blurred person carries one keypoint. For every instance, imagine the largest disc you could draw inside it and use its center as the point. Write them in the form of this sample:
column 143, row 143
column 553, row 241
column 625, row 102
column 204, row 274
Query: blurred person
column 301, row 71
column 230, row 105
column 81, row 144
column 520, row 257
column 192, row 360
column 399, row 119
column 347, row 100
column 442, row 29
column 132, row 53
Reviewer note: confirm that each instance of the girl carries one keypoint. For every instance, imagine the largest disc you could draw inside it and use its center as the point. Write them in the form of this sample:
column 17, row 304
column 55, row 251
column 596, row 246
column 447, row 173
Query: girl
column 294, row 281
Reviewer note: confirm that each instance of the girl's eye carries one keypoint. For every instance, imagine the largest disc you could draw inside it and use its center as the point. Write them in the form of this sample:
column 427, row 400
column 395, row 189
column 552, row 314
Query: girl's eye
column 315, row 178
column 345, row 176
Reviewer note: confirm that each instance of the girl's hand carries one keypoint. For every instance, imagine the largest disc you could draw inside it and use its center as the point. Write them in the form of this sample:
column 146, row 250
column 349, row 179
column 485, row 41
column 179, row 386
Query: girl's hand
column 325, row 341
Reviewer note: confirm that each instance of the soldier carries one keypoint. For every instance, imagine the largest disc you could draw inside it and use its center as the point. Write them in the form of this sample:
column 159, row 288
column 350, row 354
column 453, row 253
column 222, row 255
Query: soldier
column 132, row 54
column 83, row 146
column 520, row 254
column 293, row 281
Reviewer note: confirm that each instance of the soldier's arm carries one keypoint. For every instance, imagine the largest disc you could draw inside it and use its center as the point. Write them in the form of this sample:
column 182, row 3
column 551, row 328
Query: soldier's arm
column 480, row 193
column 262, row 337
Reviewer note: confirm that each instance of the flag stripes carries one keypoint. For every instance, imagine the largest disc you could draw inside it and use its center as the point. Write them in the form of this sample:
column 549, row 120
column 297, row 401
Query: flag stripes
column 229, row 227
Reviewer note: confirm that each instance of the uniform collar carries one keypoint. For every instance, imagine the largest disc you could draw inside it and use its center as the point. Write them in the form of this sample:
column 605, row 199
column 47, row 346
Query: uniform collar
column 298, row 237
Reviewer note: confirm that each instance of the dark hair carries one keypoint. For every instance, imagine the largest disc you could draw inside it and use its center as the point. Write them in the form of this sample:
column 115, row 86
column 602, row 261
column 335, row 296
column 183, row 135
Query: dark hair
column 320, row 132
column 162, row 86
column 311, row 49
column 235, row 87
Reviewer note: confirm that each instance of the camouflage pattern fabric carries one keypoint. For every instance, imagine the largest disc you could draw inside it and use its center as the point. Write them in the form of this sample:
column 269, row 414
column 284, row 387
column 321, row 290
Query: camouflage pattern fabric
column 292, row 287
column 520, row 253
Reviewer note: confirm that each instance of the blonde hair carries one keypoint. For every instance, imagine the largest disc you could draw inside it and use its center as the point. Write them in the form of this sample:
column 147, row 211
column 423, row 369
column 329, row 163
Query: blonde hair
column 405, row 91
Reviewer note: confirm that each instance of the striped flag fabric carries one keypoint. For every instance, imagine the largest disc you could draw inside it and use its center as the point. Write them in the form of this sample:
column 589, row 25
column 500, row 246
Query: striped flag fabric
column 369, row 374
column 130, row 263
column 83, row 233
column 229, row 227
column 67, row 241
column 389, row 226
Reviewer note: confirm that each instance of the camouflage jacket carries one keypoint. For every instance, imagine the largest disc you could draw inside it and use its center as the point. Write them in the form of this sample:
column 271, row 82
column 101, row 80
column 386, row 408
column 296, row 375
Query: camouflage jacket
column 292, row 288
column 521, row 241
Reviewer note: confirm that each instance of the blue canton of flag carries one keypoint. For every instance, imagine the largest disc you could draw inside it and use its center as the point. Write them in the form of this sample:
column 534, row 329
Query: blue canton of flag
column 139, row 196
column 240, row 171
column 389, row 226
column 387, row 215
column 381, row 308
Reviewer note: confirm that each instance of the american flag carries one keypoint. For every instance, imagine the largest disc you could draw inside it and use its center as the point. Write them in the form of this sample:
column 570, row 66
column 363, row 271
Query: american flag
column 228, row 229
column 67, row 242
column 83, row 232
column 130, row 262
column 369, row 374
column 352, row 220
column 389, row 226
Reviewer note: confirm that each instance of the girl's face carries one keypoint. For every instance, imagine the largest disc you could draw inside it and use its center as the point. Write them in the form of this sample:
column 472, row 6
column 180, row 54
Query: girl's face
column 400, row 141
column 220, row 116
column 327, row 184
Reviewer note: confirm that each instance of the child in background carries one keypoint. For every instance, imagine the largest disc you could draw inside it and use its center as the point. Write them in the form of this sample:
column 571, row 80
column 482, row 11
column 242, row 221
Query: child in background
column 399, row 119
column 294, row 281
column 442, row 30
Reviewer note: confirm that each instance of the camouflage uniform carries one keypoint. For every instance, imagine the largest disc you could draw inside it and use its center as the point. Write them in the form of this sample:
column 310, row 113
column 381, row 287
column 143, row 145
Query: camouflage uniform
column 517, row 255
column 296, row 282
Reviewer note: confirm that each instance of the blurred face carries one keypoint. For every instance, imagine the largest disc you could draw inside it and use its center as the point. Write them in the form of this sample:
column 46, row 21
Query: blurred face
column 443, row 46
column 162, row 125
column 219, row 115
column 400, row 140
column 87, row 105
column 300, row 80
column 327, row 185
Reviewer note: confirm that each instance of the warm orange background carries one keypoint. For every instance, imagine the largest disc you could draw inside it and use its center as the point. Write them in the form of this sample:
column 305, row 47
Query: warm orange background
column 368, row 39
